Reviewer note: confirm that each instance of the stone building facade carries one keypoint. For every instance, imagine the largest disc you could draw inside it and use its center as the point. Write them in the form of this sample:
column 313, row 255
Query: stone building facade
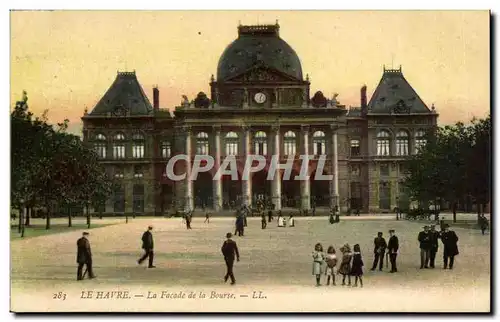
column 259, row 103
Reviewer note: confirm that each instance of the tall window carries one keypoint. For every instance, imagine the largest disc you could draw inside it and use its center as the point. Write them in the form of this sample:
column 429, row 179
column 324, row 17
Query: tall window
column 100, row 145
column 231, row 143
column 385, row 171
column 202, row 143
column 420, row 140
column 319, row 143
column 166, row 149
column 383, row 143
column 138, row 146
column 355, row 149
column 119, row 146
column 260, row 143
column 289, row 143
column 138, row 198
column 355, row 170
column 402, row 143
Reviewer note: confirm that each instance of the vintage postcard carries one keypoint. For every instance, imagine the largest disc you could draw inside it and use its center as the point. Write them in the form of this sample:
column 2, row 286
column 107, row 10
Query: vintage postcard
column 250, row 161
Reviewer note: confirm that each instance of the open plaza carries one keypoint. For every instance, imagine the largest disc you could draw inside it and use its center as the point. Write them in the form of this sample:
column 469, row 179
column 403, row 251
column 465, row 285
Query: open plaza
column 274, row 273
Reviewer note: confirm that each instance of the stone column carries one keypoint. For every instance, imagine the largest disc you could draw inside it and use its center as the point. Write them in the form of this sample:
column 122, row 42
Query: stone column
column 217, row 184
column 276, row 183
column 305, row 194
column 188, row 192
column 246, row 98
column 246, row 184
column 335, row 168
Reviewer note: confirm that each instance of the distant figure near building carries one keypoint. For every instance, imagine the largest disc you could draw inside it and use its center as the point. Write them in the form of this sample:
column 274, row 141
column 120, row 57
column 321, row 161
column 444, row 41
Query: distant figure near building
column 269, row 216
column 229, row 250
column 450, row 243
column 263, row 221
column 147, row 245
column 84, row 257
column 393, row 248
column 291, row 221
column 189, row 218
column 425, row 247
column 483, row 223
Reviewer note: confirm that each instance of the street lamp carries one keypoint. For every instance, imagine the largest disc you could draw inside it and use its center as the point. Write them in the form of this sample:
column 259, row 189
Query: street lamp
column 88, row 214
column 21, row 218
column 397, row 208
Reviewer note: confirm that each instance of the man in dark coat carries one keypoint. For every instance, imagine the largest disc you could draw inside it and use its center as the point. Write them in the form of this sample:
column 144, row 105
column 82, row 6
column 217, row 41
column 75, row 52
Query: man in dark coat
column 392, row 249
column 483, row 223
column 450, row 240
column 379, row 250
column 269, row 216
column 434, row 239
column 229, row 250
column 425, row 246
column 147, row 245
column 84, row 257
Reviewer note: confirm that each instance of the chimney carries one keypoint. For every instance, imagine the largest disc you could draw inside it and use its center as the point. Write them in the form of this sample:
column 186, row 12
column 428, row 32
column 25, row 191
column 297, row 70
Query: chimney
column 156, row 98
column 363, row 97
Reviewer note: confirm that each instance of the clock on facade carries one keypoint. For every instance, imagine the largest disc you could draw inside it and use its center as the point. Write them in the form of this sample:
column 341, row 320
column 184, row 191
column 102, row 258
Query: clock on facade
column 260, row 98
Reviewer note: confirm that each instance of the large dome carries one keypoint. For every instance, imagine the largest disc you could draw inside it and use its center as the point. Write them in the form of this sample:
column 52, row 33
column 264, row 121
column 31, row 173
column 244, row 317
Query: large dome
column 258, row 45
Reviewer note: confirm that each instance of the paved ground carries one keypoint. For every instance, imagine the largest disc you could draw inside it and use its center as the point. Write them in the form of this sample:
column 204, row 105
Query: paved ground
column 275, row 261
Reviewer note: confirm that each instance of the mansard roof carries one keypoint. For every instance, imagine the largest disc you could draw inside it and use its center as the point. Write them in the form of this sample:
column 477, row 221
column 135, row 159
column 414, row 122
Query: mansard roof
column 395, row 95
column 125, row 94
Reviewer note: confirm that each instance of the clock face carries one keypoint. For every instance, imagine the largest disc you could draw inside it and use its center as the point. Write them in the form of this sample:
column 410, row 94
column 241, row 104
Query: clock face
column 260, row 98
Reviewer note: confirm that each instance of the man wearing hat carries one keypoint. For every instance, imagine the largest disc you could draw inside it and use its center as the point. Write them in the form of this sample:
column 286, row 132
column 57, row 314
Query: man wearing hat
column 450, row 240
column 392, row 248
column 229, row 250
column 84, row 256
column 425, row 246
column 147, row 245
column 379, row 250
column 434, row 238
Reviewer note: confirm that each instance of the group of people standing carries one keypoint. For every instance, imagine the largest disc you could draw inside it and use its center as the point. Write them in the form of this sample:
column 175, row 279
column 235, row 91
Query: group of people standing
column 381, row 248
column 429, row 245
column 351, row 264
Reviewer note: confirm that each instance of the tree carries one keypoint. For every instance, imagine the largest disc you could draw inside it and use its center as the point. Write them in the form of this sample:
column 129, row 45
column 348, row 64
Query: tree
column 48, row 163
column 453, row 164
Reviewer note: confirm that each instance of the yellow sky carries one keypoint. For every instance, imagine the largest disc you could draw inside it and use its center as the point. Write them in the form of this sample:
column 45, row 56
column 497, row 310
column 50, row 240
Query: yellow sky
column 66, row 60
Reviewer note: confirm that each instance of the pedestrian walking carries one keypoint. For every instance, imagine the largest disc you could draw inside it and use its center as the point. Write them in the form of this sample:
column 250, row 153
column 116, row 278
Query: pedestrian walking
column 263, row 221
column 392, row 249
column 84, row 257
column 230, row 251
column 318, row 260
column 147, row 245
column 357, row 266
column 207, row 218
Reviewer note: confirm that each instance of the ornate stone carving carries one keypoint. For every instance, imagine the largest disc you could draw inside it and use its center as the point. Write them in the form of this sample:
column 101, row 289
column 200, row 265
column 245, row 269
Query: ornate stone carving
column 334, row 127
column 304, row 129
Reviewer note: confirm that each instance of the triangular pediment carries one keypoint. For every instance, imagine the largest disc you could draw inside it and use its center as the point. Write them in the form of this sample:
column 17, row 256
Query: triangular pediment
column 262, row 74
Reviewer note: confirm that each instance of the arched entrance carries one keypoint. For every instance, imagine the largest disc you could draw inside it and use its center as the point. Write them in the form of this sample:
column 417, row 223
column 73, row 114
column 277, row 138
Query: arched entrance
column 166, row 198
column 261, row 188
column 320, row 190
column 290, row 191
column 231, row 192
column 203, row 190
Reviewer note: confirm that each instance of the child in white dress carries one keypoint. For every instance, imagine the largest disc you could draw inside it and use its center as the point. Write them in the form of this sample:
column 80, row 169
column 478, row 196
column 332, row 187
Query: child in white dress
column 331, row 265
column 318, row 259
